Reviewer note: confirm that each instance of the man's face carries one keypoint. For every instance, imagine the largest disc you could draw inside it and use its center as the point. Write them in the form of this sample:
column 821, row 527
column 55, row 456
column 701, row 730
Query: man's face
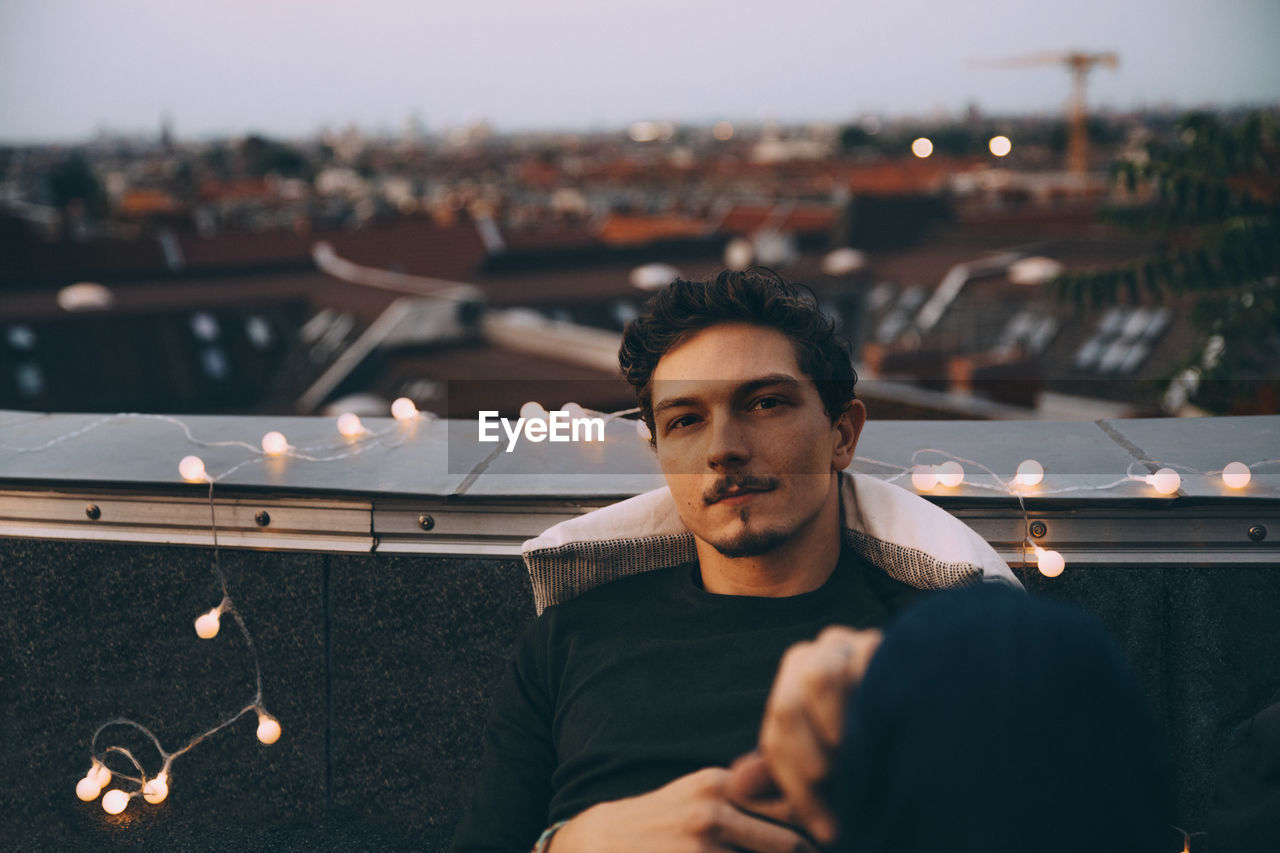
column 743, row 439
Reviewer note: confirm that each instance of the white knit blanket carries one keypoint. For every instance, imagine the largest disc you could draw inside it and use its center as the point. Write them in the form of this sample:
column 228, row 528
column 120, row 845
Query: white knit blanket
column 895, row 530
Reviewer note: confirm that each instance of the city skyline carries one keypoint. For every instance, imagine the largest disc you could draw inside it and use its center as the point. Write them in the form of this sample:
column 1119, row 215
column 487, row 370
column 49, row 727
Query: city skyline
column 71, row 68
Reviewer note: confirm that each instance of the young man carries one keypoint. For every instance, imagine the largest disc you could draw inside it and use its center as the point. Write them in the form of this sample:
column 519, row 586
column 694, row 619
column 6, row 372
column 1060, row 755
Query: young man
column 624, row 708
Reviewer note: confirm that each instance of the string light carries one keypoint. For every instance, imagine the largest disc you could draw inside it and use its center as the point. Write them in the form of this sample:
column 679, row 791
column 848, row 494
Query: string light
column 924, row 477
column 192, row 468
column 155, row 790
column 1050, row 563
column 403, row 409
column 114, row 801
column 1166, row 481
column 207, row 624
column 950, row 474
column 1030, row 473
column 349, row 425
column 91, row 785
column 268, row 728
column 533, row 411
column 1236, row 475
column 274, row 443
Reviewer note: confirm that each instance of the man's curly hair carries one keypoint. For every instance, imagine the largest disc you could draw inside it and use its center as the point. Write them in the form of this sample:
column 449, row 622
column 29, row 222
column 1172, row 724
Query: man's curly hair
column 759, row 296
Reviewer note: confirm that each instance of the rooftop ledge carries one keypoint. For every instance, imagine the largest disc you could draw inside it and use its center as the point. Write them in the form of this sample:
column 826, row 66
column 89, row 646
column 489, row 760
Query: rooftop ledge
column 426, row 486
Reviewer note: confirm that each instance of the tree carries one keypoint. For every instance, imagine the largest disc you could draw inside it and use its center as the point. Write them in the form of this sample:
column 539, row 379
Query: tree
column 1211, row 198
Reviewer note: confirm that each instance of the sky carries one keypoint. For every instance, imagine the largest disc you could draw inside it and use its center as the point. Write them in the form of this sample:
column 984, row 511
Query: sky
column 69, row 68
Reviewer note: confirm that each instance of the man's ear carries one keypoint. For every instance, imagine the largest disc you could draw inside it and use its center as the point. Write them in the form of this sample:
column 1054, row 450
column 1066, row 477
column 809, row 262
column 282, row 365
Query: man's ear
column 847, row 427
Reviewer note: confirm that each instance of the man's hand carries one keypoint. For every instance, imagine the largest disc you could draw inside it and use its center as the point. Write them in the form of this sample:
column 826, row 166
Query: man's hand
column 692, row 813
column 785, row 779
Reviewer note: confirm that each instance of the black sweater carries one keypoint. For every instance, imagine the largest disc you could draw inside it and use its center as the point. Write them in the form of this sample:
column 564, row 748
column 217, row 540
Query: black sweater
column 639, row 682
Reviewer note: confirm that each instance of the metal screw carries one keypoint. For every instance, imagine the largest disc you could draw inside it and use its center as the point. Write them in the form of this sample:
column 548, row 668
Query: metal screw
column 262, row 518
column 93, row 512
column 426, row 522
column 1039, row 529
column 1257, row 533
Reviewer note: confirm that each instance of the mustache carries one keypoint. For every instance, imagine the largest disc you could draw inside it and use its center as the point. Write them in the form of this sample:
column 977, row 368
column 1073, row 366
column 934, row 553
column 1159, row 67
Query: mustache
column 738, row 482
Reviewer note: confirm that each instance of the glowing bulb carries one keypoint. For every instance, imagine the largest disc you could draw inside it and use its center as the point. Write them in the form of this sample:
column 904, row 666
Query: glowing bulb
column 1030, row 473
column 274, row 443
column 101, row 774
column 1165, row 481
column 922, row 147
column 950, row 474
column 88, row 788
column 573, row 410
column 924, row 478
column 533, row 411
column 268, row 729
column 1236, row 475
column 191, row 468
column 349, row 425
column 207, row 625
column 114, row 801
column 1049, row 562
column 1000, row 145
column 642, row 429
column 155, row 790
column 403, row 409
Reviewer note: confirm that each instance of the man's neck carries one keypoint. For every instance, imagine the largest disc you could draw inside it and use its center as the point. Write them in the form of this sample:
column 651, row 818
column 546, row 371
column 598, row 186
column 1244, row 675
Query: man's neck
column 801, row 564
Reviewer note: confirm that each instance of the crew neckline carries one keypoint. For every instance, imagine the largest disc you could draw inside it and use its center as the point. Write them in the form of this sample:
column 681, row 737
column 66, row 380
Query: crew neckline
column 690, row 586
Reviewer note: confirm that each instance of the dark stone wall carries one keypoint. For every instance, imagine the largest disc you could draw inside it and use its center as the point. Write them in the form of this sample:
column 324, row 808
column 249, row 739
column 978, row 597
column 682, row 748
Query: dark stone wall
column 380, row 669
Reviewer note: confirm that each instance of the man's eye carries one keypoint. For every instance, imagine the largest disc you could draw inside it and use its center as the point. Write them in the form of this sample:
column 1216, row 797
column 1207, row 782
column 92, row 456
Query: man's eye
column 682, row 421
column 767, row 403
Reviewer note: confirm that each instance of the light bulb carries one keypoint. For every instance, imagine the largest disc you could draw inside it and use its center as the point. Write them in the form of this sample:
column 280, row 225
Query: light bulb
column 155, row 790
column 574, row 411
column 642, row 429
column 101, row 773
column 114, row 801
column 533, row 411
column 191, row 468
column 268, row 729
column 349, row 425
column 1236, row 475
column 403, row 409
column 88, row 788
column 951, row 474
column 274, row 443
column 1030, row 473
column 924, row 477
column 1050, row 563
column 207, row 625
column 1165, row 481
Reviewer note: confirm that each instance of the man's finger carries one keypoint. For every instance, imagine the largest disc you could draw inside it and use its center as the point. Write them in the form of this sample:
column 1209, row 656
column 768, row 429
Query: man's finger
column 742, row 831
column 839, row 660
column 751, row 787
column 799, row 764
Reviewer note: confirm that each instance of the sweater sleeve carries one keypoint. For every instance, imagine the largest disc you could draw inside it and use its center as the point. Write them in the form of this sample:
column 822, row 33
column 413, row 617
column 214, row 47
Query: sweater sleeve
column 508, row 808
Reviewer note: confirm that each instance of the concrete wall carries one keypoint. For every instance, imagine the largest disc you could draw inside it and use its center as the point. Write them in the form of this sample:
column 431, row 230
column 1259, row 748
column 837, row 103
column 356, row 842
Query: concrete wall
column 380, row 669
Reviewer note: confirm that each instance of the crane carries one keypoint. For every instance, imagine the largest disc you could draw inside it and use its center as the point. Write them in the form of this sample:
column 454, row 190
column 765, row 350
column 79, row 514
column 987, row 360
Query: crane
column 1079, row 63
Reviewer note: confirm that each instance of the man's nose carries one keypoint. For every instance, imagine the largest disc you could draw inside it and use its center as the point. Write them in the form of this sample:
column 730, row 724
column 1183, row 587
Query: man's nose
column 728, row 444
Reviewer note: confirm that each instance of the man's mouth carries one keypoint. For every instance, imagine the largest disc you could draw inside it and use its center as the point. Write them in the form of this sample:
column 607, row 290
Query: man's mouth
column 735, row 491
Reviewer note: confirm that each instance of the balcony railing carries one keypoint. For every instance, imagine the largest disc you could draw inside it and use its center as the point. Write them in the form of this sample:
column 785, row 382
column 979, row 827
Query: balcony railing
column 380, row 580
